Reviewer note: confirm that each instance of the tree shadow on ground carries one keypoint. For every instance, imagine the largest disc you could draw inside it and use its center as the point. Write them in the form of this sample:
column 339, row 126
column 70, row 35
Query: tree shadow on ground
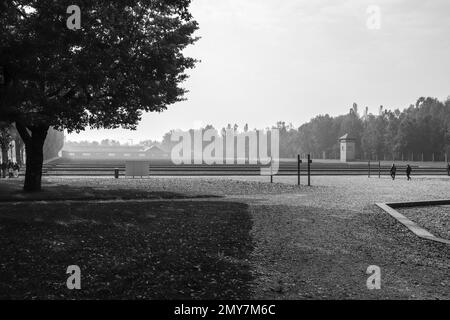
column 13, row 191
column 129, row 250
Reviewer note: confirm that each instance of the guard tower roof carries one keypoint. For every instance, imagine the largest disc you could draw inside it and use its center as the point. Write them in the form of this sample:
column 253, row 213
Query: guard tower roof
column 346, row 137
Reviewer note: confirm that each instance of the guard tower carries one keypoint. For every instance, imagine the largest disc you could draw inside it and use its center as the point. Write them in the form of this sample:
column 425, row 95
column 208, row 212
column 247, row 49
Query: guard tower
column 347, row 148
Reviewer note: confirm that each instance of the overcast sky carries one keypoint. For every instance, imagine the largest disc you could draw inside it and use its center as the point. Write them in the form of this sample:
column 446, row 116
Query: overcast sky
column 290, row 60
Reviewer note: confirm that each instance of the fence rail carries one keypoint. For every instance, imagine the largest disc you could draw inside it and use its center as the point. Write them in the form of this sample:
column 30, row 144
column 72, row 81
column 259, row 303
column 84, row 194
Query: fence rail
column 64, row 167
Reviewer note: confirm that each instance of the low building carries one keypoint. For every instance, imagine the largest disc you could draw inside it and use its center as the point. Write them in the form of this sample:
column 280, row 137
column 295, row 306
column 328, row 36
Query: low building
column 114, row 152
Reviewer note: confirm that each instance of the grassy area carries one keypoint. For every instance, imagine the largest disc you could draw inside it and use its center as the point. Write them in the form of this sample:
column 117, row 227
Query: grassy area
column 262, row 240
column 153, row 250
column 12, row 190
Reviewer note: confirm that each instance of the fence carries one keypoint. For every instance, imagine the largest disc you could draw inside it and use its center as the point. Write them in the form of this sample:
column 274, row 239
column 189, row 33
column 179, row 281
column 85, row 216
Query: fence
column 398, row 156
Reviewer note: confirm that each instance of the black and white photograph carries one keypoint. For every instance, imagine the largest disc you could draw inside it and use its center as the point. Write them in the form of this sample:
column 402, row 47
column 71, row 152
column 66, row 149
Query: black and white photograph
column 225, row 158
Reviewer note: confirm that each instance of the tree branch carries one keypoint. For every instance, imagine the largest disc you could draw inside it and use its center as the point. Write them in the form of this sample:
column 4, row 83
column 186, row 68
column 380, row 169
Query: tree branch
column 19, row 11
column 23, row 132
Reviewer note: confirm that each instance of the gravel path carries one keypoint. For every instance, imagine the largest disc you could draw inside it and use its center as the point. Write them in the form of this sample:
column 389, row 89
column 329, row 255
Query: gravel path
column 319, row 243
column 436, row 219
column 316, row 243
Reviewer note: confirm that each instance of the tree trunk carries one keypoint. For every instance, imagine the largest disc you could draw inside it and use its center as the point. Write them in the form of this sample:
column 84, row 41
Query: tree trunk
column 19, row 147
column 4, row 160
column 34, row 144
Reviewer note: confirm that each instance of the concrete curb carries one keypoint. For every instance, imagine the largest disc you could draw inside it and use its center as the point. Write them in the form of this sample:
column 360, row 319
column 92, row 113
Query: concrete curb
column 412, row 226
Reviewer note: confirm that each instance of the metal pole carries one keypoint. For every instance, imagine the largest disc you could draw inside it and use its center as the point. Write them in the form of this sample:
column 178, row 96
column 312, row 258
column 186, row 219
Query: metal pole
column 309, row 169
column 271, row 172
column 379, row 169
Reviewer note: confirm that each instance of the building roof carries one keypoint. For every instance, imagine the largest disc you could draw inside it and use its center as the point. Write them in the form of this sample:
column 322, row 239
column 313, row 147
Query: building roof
column 113, row 149
column 346, row 137
column 154, row 148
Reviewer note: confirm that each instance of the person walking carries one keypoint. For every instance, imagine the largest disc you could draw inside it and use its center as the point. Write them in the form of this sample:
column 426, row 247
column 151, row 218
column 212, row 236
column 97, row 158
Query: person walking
column 393, row 171
column 408, row 172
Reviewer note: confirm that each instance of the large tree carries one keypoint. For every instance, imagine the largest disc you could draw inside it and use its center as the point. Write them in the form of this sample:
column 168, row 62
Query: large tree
column 126, row 59
column 5, row 140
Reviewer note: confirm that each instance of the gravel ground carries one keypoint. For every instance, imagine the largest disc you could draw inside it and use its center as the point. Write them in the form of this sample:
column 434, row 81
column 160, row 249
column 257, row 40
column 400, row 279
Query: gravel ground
column 436, row 219
column 317, row 242
column 126, row 250
column 184, row 185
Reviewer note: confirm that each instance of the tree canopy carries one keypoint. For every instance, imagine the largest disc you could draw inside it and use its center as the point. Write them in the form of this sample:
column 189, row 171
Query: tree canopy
column 126, row 59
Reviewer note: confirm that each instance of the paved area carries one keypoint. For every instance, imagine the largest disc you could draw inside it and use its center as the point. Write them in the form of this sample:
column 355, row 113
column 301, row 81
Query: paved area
column 317, row 242
column 436, row 219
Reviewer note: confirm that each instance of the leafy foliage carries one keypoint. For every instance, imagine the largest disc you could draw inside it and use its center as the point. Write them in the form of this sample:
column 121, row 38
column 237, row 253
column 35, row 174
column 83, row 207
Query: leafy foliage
column 126, row 59
column 421, row 128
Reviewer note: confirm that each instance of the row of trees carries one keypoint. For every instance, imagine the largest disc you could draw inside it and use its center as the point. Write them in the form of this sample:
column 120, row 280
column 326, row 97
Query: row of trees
column 86, row 143
column 422, row 128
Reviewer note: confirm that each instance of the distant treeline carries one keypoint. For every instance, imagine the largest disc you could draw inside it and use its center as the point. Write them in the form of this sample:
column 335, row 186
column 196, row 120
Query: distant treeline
column 86, row 143
column 421, row 131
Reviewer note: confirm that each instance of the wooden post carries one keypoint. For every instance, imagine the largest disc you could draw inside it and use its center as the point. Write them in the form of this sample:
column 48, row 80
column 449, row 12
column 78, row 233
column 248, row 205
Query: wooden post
column 299, row 161
column 271, row 172
column 309, row 169
column 369, row 170
column 379, row 169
